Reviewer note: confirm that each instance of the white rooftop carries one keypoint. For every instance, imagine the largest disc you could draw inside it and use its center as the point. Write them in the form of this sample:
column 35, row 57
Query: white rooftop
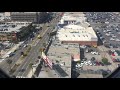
column 76, row 33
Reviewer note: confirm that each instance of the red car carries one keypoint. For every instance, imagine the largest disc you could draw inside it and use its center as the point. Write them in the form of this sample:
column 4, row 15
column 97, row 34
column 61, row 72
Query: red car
column 97, row 63
column 113, row 54
column 113, row 59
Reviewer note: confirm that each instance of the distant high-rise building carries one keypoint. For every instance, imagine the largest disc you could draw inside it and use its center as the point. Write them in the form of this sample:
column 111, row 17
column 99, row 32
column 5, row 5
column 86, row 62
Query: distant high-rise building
column 37, row 17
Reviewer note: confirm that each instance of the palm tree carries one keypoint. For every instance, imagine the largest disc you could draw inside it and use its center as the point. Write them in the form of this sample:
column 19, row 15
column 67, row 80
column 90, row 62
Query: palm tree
column 31, row 66
column 9, row 62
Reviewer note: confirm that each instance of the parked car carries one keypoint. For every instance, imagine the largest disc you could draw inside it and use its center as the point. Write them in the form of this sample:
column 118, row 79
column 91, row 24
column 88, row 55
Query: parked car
column 101, row 63
column 93, row 58
column 95, row 53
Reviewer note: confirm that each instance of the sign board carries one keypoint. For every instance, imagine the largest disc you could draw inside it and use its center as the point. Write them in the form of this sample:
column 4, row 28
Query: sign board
column 47, row 61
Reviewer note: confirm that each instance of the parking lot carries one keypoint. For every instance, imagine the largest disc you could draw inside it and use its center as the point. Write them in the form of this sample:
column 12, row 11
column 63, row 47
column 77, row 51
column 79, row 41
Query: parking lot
column 91, row 61
column 107, row 27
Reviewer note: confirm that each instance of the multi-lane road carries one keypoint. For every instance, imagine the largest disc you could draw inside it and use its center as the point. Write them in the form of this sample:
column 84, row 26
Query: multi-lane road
column 34, row 52
column 15, row 58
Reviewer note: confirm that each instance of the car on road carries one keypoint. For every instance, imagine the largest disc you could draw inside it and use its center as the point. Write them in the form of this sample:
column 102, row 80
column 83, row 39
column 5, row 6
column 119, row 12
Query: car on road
column 39, row 37
column 83, row 46
column 11, row 54
column 25, row 45
column 86, row 51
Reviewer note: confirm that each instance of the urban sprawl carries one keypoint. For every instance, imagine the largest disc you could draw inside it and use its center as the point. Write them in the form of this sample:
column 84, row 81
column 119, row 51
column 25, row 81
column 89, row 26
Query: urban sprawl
column 59, row 45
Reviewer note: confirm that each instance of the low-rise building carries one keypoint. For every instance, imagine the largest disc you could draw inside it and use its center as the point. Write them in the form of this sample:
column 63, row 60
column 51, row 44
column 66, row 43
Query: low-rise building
column 77, row 34
column 72, row 18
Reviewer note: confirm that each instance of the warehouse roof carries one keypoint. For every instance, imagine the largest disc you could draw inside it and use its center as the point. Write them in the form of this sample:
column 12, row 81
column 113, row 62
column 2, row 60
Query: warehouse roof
column 76, row 33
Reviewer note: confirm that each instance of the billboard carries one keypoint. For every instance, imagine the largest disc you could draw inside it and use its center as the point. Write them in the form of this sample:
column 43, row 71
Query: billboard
column 47, row 61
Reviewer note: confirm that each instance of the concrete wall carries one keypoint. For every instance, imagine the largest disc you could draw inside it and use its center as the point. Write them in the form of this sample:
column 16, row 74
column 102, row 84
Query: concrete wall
column 91, row 43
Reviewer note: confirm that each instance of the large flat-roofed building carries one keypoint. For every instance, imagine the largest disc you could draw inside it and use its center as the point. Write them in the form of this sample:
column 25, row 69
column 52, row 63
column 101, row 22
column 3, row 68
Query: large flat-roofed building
column 28, row 16
column 77, row 34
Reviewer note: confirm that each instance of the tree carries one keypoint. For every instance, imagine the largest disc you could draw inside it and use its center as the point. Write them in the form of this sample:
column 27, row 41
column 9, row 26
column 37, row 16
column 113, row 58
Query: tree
column 39, row 57
column 105, row 61
column 9, row 62
column 41, row 50
column 48, row 34
column 44, row 44
column 31, row 66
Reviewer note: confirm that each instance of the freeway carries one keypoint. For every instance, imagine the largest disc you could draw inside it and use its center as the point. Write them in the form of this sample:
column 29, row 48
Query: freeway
column 34, row 53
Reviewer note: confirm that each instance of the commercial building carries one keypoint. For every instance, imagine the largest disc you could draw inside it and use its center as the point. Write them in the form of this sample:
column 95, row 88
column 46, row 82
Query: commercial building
column 62, row 54
column 77, row 34
column 36, row 17
column 72, row 18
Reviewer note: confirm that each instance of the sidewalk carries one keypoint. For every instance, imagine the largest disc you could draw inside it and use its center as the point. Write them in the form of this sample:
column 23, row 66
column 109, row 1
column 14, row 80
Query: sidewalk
column 31, row 73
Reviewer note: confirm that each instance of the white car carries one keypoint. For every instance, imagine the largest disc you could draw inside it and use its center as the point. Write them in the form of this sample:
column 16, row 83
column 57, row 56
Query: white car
column 82, row 63
column 104, row 31
column 2, row 59
column 87, row 51
column 117, row 39
column 83, row 46
column 90, row 64
column 86, row 63
column 104, row 41
column 112, row 39
column 95, row 53
column 25, row 46
column 113, row 36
